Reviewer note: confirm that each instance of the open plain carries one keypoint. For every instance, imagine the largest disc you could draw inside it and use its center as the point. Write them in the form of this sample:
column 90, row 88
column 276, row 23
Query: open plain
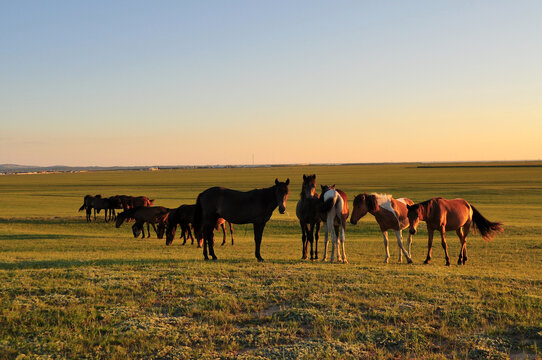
column 71, row 289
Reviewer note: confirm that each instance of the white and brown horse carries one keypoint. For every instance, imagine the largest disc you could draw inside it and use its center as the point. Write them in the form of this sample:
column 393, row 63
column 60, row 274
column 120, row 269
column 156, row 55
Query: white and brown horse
column 446, row 215
column 335, row 213
column 390, row 214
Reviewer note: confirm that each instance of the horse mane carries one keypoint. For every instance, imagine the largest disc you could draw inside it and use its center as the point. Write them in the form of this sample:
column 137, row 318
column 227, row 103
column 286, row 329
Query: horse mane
column 382, row 198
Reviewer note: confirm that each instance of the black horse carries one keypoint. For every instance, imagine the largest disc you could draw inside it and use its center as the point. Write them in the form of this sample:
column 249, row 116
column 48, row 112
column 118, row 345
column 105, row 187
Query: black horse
column 143, row 214
column 308, row 211
column 237, row 207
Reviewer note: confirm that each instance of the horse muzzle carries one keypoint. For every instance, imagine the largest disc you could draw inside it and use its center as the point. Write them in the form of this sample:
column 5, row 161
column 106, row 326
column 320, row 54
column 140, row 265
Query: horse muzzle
column 282, row 209
column 412, row 231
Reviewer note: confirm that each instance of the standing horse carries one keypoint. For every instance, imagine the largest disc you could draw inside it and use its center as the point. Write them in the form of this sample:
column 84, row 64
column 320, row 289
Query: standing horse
column 251, row 207
column 457, row 214
column 334, row 212
column 390, row 214
column 308, row 212
column 97, row 203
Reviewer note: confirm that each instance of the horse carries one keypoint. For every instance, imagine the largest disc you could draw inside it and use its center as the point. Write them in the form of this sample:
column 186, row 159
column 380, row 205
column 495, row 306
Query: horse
column 390, row 214
column 184, row 216
column 97, row 203
column 238, row 207
column 128, row 202
column 141, row 215
column 308, row 212
column 334, row 212
column 445, row 215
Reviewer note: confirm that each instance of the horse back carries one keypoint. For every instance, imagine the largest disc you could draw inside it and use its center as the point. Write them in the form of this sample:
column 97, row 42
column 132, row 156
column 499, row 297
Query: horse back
column 452, row 213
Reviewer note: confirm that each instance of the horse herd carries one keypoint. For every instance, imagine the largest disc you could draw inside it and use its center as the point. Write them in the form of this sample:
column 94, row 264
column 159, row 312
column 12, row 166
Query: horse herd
column 217, row 205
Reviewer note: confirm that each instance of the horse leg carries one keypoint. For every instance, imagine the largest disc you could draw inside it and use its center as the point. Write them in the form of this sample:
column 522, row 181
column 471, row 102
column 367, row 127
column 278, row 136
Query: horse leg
column 209, row 240
column 459, row 233
column 409, row 244
column 303, row 240
column 399, row 235
column 316, row 237
column 258, row 232
column 343, row 228
column 466, row 229
column 224, row 231
column 334, row 240
column 154, row 228
column 205, row 245
column 135, row 230
column 231, row 232
column 325, row 242
column 386, row 247
column 429, row 245
column 311, row 239
column 444, row 244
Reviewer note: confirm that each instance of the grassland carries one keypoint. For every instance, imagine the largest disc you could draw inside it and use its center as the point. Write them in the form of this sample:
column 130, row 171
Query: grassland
column 69, row 289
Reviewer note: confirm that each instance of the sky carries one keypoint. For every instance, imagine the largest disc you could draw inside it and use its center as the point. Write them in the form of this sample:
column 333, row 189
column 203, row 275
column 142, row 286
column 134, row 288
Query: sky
column 102, row 83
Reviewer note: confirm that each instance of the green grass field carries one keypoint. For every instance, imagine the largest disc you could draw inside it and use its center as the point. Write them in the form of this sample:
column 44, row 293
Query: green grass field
column 69, row 289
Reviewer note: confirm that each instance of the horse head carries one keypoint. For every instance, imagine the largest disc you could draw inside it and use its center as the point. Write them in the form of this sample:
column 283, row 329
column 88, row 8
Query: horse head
column 308, row 189
column 414, row 215
column 363, row 204
column 120, row 219
column 281, row 194
column 161, row 228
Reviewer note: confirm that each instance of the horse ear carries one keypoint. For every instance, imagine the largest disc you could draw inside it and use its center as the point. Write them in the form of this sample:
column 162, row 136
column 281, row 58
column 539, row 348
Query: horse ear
column 276, row 181
column 304, row 177
column 409, row 207
column 322, row 186
column 287, row 181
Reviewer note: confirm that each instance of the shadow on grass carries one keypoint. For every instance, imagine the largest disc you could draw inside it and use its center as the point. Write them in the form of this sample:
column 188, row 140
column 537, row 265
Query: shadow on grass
column 53, row 220
column 73, row 263
column 45, row 237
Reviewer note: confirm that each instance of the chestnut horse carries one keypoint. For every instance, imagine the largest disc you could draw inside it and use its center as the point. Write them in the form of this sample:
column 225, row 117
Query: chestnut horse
column 308, row 212
column 335, row 213
column 390, row 214
column 457, row 214
column 250, row 207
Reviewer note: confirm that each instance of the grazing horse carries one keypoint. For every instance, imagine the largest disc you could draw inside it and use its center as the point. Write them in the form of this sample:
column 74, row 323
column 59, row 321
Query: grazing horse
column 184, row 216
column 141, row 215
column 334, row 212
column 250, row 207
column 308, row 212
column 390, row 214
column 457, row 214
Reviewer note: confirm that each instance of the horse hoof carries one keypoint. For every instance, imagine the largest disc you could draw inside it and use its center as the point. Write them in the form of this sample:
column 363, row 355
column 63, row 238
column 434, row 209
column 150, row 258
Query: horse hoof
column 385, row 260
column 345, row 261
column 426, row 262
column 409, row 261
column 447, row 264
column 260, row 260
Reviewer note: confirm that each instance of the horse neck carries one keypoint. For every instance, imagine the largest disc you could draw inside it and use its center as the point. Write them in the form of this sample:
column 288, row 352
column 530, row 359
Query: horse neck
column 422, row 211
column 269, row 194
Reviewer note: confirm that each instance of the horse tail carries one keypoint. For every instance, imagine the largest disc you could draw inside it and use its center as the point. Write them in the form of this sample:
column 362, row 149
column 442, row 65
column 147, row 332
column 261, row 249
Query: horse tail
column 487, row 228
column 83, row 207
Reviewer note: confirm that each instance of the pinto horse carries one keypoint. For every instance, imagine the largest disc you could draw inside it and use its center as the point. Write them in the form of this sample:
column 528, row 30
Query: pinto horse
column 308, row 212
column 335, row 213
column 251, row 207
column 457, row 214
column 390, row 214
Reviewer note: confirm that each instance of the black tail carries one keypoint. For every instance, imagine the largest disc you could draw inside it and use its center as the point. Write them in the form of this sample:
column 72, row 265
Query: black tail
column 198, row 214
column 487, row 228
column 327, row 205
column 83, row 207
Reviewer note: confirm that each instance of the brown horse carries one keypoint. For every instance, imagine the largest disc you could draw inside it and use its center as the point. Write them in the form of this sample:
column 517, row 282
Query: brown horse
column 390, row 214
column 98, row 203
column 334, row 212
column 184, row 216
column 143, row 214
column 238, row 207
column 128, row 202
column 457, row 214
column 308, row 212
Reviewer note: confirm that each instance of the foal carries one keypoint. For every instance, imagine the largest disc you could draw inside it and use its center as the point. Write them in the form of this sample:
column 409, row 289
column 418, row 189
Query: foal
column 390, row 214
column 456, row 214
column 334, row 212
column 308, row 212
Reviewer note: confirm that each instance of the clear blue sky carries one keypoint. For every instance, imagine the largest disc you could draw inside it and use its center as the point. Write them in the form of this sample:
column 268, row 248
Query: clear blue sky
column 213, row 82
